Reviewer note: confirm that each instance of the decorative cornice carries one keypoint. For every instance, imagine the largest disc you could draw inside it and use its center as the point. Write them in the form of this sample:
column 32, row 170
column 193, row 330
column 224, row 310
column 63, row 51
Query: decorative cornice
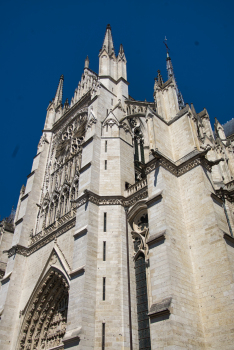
column 178, row 170
column 43, row 238
column 50, row 235
column 111, row 200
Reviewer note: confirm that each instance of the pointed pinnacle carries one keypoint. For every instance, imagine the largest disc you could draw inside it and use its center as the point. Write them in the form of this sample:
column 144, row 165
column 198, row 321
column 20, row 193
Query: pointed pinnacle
column 108, row 41
column 87, row 62
column 121, row 49
column 59, row 93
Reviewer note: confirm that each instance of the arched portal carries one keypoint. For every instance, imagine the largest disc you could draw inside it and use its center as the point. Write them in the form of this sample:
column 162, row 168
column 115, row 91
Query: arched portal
column 45, row 320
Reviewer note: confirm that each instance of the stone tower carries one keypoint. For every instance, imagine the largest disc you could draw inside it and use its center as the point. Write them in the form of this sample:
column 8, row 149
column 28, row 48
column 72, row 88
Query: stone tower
column 123, row 235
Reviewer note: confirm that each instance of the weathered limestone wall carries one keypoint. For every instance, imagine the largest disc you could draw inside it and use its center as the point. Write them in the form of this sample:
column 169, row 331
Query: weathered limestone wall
column 113, row 311
column 171, row 270
column 182, row 137
column 205, row 222
column 12, row 285
column 163, row 138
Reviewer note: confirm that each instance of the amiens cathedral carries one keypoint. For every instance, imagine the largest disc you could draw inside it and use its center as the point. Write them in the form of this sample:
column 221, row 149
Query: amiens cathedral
column 122, row 238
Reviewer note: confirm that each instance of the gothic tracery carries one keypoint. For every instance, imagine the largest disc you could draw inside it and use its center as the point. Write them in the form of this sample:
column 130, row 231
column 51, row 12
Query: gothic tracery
column 62, row 174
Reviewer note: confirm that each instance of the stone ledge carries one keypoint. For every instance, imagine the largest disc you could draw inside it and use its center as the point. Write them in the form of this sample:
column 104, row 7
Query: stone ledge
column 87, row 141
column 229, row 238
column 161, row 308
column 154, row 198
column 24, row 197
column 156, row 237
column 82, row 230
column 77, row 271
column 18, row 221
column 31, row 174
column 71, row 336
column 85, row 167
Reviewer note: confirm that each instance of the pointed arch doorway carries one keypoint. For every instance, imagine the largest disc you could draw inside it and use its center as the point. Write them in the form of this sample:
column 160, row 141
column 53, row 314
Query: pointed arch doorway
column 45, row 320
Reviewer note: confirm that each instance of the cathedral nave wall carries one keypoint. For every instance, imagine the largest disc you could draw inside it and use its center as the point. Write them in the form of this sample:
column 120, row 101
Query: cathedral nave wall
column 205, row 222
column 171, row 266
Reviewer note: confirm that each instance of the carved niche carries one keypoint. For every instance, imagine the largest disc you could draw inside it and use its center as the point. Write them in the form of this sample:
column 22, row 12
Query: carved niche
column 140, row 234
column 44, row 323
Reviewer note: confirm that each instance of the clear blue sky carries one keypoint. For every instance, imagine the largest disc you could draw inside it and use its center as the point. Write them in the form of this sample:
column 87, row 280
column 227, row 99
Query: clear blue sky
column 40, row 40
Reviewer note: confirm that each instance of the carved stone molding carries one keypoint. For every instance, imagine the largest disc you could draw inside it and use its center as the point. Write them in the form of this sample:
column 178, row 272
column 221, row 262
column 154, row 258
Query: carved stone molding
column 178, row 170
column 41, row 239
column 111, row 200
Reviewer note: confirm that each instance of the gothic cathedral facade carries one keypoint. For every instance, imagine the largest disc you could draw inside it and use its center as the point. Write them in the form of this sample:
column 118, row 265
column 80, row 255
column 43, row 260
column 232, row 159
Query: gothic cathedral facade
column 123, row 234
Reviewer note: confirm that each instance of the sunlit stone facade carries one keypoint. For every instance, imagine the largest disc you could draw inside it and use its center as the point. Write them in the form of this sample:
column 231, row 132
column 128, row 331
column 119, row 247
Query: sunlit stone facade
column 123, row 234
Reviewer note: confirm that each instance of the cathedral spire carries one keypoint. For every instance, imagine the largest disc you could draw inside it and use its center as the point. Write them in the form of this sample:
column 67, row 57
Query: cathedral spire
column 108, row 41
column 170, row 73
column 59, row 93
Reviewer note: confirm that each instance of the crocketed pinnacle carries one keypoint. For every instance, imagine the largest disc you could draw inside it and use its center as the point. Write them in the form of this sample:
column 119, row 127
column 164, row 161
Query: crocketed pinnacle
column 59, row 93
column 108, row 41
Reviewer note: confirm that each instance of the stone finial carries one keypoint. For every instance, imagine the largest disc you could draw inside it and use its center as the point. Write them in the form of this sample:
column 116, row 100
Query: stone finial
column 87, row 62
column 121, row 50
